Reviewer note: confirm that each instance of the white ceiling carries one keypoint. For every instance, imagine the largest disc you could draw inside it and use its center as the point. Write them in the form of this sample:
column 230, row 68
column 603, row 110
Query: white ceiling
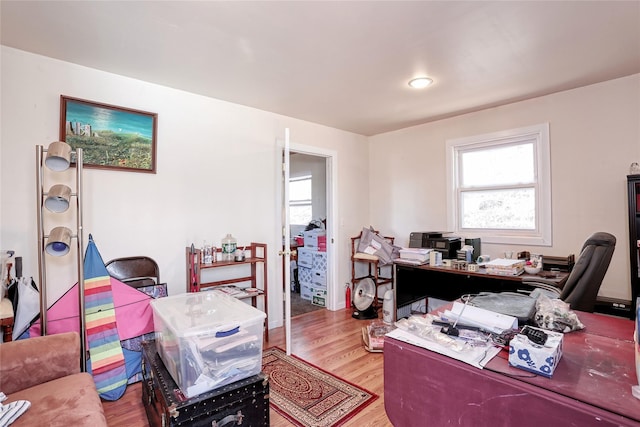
column 338, row 63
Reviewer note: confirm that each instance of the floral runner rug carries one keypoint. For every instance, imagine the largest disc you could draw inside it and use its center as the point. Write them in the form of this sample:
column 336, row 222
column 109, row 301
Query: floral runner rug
column 309, row 396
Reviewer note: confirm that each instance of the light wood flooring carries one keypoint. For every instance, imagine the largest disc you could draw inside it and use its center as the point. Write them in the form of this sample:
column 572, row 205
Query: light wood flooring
column 330, row 340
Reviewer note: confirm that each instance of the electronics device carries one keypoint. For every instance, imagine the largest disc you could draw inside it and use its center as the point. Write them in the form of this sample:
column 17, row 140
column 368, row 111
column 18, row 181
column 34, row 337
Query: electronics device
column 535, row 335
column 446, row 245
column 420, row 239
column 475, row 243
column 363, row 297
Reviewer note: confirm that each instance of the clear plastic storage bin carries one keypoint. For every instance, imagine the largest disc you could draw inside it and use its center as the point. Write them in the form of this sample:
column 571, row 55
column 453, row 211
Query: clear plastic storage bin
column 208, row 339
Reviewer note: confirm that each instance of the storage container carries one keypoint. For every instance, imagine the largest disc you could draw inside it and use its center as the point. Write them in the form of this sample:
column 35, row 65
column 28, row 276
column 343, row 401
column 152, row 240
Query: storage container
column 319, row 260
column 305, row 291
column 305, row 257
column 322, row 243
column 318, row 277
column 319, row 300
column 208, row 339
column 305, row 275
column 319, row 295
column 312, row 238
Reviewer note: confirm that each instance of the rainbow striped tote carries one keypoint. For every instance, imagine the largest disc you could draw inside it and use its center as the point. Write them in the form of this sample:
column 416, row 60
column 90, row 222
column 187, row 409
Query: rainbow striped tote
column 107, row 358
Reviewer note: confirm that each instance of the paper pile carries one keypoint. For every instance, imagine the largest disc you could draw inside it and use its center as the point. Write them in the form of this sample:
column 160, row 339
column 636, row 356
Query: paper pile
column 505, row 267
column 421, row 331
column 415, row 255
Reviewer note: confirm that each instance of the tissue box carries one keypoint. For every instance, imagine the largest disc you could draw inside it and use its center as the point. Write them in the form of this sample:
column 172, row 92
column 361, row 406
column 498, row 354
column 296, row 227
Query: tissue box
column 541, row 360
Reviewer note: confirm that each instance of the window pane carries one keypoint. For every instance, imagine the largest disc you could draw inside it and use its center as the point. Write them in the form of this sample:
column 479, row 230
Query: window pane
column 300, row 215
column 300, row 189
column 499, row 209
column 503, row 165
column 300, row 206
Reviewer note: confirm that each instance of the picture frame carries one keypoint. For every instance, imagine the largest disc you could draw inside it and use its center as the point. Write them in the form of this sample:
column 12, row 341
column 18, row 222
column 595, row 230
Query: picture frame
column 111, row 137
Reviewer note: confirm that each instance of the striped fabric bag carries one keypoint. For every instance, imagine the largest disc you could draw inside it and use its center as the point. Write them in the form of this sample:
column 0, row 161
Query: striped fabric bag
column 107, row 358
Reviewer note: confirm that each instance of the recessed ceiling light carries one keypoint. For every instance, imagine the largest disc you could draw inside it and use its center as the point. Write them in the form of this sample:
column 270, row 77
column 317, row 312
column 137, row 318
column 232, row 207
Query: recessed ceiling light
column 420, row 82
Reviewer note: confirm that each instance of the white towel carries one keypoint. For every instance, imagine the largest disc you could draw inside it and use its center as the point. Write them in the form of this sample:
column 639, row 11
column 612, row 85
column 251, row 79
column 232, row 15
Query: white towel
column 11, row 411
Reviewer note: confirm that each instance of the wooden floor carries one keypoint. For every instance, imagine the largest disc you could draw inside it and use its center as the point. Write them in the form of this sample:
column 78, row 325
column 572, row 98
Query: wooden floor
column 330, row 340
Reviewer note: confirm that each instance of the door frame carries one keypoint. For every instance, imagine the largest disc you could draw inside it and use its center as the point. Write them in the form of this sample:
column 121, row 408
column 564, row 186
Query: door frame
column 333, row 234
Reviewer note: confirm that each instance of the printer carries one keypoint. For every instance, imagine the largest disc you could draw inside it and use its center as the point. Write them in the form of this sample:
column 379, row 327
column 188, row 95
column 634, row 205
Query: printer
column 447, row 245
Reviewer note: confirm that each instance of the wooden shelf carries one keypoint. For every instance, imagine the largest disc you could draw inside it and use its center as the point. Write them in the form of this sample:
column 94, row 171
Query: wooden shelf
column 258, row 256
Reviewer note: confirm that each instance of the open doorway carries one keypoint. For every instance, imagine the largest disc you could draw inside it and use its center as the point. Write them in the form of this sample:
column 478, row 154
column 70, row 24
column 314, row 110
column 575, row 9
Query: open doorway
column 308, row 214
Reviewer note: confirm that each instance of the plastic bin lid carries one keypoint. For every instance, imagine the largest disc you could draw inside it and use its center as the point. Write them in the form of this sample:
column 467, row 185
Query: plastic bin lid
column 206, row 312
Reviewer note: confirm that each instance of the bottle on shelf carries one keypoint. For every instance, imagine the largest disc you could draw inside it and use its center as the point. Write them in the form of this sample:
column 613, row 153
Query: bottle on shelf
column 229, row 246
column 207, row 253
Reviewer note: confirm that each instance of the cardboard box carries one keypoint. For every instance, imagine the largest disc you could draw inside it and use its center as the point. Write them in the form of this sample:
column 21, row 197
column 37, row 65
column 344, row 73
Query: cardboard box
column 305, row 257
column 208, row 339
column 319, row 300
column 539, row 359
column 319, row 295
column 305, row 291
column 314, row 238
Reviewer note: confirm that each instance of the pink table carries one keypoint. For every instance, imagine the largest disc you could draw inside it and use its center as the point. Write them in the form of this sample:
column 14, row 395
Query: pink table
column 591, row 385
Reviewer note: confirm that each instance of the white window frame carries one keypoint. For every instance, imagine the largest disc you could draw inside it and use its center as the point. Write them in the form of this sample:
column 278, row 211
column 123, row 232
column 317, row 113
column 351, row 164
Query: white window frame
column 539, row 135
column 302, row 202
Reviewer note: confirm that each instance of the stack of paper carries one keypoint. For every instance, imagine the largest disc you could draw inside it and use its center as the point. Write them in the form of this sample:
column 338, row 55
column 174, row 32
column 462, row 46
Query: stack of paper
column 505, row 267
column 420, row 255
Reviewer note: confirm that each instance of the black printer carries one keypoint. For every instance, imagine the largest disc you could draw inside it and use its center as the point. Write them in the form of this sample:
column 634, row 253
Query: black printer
column 447, row 245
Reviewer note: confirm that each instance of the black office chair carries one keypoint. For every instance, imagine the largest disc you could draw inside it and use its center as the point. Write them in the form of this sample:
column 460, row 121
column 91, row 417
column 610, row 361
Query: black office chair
column 581, row 289
column 137, row 271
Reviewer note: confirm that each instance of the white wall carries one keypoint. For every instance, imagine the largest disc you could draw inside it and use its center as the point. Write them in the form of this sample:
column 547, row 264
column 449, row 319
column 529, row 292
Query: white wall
column 216, row 173
column 595, row 135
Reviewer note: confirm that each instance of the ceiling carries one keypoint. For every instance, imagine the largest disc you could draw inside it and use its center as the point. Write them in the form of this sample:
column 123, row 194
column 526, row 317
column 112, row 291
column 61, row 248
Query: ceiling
column 338, row 63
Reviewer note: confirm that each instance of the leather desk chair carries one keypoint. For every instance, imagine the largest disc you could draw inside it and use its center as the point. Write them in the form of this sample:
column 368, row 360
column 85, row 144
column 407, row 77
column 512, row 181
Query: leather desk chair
column 581, row 289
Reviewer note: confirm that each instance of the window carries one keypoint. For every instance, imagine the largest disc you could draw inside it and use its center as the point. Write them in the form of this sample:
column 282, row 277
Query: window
column 499, row 186
column 300, row 211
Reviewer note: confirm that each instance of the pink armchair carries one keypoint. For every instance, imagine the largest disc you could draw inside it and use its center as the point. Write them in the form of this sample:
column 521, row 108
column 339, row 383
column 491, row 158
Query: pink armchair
column 46, row 372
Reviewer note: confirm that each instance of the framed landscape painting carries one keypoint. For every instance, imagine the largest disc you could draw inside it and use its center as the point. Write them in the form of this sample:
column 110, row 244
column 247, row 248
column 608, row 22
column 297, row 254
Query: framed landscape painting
column 110, row 137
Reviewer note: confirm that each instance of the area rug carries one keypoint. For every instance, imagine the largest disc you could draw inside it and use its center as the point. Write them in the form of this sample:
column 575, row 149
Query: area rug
column 309, row 396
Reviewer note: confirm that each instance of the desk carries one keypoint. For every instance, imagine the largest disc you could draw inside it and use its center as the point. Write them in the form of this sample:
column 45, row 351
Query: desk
column 415, row 283
column 591, row 385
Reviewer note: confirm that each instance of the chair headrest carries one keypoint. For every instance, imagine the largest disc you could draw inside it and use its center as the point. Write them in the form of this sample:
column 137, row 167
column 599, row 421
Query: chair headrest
column 600, row 238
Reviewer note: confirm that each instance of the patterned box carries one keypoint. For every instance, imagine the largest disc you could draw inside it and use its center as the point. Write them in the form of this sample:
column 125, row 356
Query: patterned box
column 305, row 275
column 539, row 359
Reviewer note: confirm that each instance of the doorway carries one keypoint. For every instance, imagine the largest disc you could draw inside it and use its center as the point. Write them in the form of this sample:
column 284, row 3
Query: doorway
column 330, row 158
column 307, row 213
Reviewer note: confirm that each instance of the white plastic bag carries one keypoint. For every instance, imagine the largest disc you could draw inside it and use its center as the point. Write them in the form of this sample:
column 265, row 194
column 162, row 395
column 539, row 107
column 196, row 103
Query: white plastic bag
column 28, row 306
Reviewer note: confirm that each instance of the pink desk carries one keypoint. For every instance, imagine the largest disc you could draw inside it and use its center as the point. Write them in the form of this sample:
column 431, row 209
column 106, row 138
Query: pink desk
column 591, row 385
